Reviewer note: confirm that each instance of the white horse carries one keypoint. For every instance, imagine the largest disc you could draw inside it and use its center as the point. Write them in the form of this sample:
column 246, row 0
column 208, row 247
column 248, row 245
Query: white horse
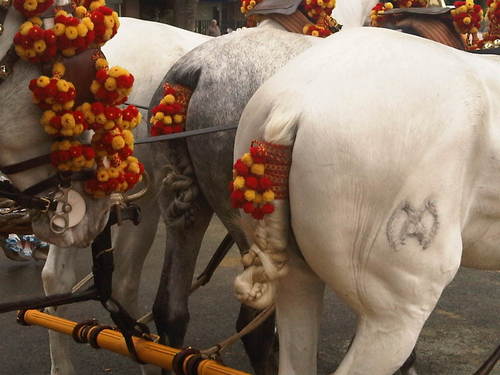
column 136, row 48
column 394, row 184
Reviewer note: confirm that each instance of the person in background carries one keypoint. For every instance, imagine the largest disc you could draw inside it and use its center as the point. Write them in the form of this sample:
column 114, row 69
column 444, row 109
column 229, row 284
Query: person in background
column 213, row 29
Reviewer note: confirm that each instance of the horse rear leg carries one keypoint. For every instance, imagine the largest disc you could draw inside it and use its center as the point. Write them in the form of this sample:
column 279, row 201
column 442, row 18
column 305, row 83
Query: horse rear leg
column 395, row 304
column 59, row 276
column 299, row 303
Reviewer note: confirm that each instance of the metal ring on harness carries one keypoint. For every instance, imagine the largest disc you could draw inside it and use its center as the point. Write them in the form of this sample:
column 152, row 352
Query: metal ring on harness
column 56, row 228
column 180, row 357
column 193, row 363
column 93, row 333
column 80, row 331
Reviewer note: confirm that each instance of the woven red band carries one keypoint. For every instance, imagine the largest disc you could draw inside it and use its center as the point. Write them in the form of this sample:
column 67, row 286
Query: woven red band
column 277, row 165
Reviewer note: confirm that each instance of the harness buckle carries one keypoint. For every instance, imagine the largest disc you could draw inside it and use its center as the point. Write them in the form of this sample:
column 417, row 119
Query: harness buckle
column 48, row 201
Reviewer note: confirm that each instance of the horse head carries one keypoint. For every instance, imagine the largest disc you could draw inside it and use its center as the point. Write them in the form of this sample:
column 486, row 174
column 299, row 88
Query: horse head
column 69, row 217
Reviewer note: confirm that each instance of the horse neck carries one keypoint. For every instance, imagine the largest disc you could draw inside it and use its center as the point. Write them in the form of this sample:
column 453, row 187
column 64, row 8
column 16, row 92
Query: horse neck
column 11, row 25
column 353, row 13
column 21, row 136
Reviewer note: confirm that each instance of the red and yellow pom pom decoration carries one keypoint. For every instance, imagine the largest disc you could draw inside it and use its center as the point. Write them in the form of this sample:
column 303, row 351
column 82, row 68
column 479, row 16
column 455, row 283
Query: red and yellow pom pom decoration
column 34, row 44
column 377, row 14
column 111, row 148
column 106, row 24
column 74, row 35
column 30, row 8
column 115, row 175
column 260, row 177
column 491, row 38
column 71, row 156
column 170, row 115
column 70, row 35
column 315, row 9
column 64, row 124
column 247, row 5
column 318, row 11
column 112, row 86
column 53, row 93
column 467, row 16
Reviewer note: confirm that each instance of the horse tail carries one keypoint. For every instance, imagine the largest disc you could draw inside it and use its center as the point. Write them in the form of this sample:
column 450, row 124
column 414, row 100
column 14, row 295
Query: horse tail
column 267, row 258
column 179, row 185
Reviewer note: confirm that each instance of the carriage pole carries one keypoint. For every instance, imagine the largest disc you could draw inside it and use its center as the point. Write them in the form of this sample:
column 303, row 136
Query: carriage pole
column 147, row 351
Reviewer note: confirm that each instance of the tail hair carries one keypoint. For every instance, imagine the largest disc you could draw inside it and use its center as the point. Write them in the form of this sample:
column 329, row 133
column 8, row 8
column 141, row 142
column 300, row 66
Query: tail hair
column 267, row 258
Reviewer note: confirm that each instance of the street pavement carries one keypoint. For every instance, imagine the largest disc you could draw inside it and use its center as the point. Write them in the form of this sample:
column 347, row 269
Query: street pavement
column 463, row 330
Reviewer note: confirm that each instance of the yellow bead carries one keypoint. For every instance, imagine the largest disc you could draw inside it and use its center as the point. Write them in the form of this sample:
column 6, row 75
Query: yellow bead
column 249, row 195
column 42, row 81
column 167, row 120
column 247, row 159
column 169, row 99
column 62, row 85
column 59, row 29
column 118, row 143
column 94, row 86
column 178, row 119
column 268, row 196
column 110, row 84
column 102, row 175
column 257, row 169
column 101, row 118
column 71, row 32
column 82, row 30
column 239, row 182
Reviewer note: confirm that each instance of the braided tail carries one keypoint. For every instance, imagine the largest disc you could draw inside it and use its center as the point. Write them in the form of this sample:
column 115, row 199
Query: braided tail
column 267, row 258
column 180, row 185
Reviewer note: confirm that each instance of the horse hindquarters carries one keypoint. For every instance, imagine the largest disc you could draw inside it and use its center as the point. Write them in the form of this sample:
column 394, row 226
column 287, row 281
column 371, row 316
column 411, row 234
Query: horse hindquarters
column 341, row 224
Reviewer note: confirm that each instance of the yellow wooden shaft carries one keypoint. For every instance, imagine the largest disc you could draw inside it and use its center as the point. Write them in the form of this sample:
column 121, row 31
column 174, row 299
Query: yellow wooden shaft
column 147, row 351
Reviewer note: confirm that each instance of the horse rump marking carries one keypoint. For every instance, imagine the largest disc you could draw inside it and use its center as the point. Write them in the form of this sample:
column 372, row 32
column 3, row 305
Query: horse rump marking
column 408, row 222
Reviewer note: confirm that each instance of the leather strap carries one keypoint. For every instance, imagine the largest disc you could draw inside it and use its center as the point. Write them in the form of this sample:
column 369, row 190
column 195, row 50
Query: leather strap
column 25, row 165
column 59, row 179
column 294, row 22
column 434, row 28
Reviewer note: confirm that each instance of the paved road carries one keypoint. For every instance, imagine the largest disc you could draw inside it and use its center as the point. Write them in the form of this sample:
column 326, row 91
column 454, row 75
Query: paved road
column 462, row 331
